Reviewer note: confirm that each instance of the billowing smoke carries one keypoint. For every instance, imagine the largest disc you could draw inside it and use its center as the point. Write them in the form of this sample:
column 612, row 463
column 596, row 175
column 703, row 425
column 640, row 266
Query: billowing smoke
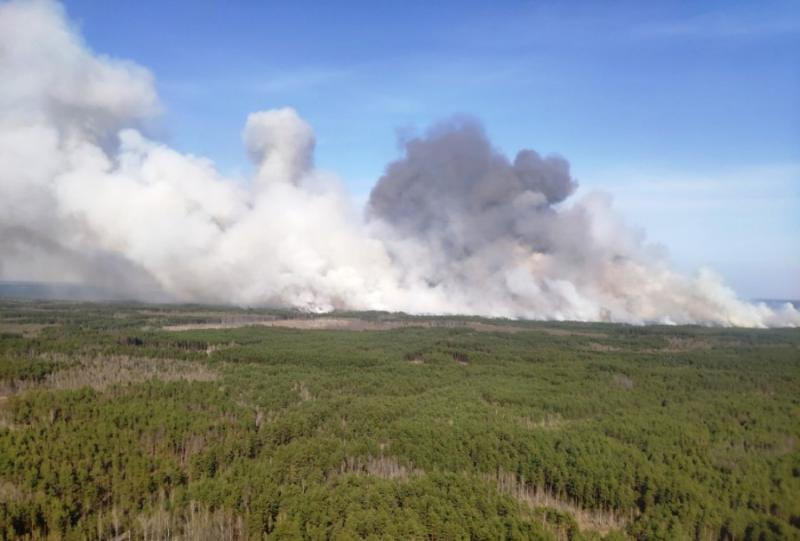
column 453, row 226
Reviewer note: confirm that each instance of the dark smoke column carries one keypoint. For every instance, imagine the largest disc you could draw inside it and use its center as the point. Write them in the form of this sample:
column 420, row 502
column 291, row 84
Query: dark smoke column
column 453, row 190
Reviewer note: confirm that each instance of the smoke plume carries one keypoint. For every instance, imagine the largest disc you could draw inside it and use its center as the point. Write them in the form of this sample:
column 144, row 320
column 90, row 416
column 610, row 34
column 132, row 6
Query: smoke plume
column 453, row 226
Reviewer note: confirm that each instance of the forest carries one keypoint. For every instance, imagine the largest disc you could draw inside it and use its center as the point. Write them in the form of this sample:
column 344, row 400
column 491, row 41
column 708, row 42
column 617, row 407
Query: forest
column 131, row 421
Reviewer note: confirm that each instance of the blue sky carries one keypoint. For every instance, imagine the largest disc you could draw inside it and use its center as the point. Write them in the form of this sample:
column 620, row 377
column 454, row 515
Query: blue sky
column 688, row 113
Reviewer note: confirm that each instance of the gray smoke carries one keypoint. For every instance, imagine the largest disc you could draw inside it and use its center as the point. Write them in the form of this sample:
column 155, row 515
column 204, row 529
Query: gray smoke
column 453, row 226
column 498, row 237
column 454, row 189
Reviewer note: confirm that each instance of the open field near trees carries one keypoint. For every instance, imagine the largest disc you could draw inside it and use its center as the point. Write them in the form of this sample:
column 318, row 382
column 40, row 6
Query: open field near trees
column 127, row 421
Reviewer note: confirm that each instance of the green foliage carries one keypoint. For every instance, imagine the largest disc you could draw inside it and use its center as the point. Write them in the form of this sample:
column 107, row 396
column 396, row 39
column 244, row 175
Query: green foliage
column 434, row 428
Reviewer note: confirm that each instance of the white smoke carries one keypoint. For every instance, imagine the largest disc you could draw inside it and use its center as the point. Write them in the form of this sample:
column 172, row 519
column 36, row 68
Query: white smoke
column 452, row 227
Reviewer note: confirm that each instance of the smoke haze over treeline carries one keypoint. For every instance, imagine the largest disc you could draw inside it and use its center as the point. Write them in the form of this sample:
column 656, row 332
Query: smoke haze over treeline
column 452, row 226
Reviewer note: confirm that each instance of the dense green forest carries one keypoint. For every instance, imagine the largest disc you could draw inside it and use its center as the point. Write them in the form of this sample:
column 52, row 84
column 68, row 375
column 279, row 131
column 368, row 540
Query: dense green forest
column 126, row 421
